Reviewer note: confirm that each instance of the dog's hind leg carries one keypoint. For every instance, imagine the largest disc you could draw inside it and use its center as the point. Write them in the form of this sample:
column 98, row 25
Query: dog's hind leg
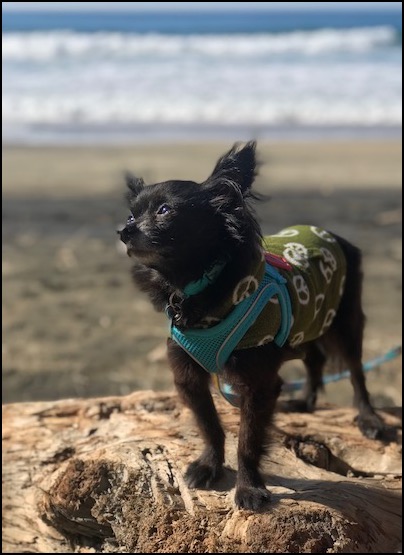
column 347, row 329
column 314, row 362
column 369, row 422
column 193, row 385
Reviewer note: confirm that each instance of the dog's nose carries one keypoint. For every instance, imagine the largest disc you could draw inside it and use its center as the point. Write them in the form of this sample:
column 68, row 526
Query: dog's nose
column 123, row 234
column 128, row 231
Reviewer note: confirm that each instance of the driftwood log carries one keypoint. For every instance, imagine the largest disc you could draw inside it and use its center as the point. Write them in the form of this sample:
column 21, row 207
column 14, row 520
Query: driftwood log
column 106, row 475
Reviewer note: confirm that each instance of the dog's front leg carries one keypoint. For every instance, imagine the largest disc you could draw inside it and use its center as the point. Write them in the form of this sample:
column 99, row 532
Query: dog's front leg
column 256, row 412
column 192, row 383
column 257, row 407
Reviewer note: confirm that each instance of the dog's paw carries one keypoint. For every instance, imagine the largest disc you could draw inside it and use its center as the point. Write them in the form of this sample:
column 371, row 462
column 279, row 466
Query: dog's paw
column 371, row 425
column 252, row 498
column 296, row 405
column 201, row 475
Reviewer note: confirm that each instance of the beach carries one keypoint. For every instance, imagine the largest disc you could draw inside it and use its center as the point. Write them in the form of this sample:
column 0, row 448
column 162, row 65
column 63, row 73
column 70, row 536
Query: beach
column 73, row 323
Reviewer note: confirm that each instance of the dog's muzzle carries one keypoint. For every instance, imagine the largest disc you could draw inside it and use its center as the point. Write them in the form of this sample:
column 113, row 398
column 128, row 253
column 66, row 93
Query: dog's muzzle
column 131, row 237
column 125, row 234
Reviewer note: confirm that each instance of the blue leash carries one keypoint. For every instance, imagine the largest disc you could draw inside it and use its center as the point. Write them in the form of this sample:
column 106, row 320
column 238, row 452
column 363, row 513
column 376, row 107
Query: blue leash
column 393, row 353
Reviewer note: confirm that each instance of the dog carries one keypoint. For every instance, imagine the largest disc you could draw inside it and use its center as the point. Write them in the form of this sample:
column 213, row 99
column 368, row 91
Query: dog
column 241, row 304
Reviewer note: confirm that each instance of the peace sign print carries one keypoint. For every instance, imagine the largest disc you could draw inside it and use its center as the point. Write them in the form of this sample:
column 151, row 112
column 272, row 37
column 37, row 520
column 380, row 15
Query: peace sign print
column 342, row 286
column 328, row 264
column 287, row 233
column 323, row 234
column 302, row 289
column 244, row 289
column 265, row 340
column 328, row 320
column 297, row 339
column 318, row 303
column 297, row 254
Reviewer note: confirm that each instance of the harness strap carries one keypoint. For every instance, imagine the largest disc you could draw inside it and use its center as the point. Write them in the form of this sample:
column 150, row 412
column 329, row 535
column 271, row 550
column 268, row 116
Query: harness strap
column 212, row 347
column 272, row 289
column 207, row 279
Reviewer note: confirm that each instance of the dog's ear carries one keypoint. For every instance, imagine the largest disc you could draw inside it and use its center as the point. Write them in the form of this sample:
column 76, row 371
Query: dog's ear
column 229, row 187
column 237, row 167
column 134, row 184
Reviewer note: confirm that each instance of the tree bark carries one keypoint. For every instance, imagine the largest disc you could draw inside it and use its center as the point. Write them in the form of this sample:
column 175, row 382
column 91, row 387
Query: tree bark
column 106, row 475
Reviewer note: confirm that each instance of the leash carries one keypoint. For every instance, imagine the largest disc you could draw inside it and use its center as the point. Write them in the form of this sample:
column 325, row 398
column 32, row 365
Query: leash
column 393, row 353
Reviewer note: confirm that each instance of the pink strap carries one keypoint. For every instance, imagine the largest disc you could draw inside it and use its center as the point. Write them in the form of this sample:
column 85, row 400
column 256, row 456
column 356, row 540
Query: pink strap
column 277, row 261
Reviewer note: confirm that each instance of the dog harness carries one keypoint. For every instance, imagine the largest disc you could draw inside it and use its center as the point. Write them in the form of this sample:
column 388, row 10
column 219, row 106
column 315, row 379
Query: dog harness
column 295, row 303
column 212, row 347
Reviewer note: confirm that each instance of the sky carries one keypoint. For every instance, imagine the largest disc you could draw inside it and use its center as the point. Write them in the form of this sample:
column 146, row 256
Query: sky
column 148, row 6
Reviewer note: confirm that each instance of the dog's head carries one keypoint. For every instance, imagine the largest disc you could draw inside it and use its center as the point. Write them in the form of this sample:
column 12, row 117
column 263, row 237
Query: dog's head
column 188, row 226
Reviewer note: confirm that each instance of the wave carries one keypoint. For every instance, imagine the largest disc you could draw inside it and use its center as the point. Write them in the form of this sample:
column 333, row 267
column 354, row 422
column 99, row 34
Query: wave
column 102, row 108
column 322, row 77
column 47, row 47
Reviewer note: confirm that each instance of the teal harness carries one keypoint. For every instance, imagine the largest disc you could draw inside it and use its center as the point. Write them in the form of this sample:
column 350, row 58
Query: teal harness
column 212, row 347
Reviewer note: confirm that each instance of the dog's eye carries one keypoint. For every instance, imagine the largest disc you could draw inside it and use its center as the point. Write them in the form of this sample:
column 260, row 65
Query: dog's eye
column 130, row 220
column 163, row 210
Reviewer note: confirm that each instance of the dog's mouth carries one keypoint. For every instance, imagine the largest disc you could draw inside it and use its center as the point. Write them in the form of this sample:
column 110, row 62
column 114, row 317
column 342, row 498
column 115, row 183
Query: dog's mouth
column 136, row 251
column 145, row 255
column 141, row 247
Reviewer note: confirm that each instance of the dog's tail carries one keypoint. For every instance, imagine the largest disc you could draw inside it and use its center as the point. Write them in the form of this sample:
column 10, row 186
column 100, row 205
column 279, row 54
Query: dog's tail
column 350, row 319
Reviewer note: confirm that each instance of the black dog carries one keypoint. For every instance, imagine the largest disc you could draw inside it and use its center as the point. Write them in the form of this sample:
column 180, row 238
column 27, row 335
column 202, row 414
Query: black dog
column 200, row 256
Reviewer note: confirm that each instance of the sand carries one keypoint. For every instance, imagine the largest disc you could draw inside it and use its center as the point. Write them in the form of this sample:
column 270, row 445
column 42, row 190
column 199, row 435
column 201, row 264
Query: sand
column 73, row 323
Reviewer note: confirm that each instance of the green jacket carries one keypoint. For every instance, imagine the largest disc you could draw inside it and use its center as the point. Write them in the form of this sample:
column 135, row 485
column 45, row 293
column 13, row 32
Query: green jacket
column 315, row 283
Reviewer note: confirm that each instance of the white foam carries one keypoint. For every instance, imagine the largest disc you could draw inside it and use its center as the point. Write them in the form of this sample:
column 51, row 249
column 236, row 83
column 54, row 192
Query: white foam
column 327, row 77
column 55, row 45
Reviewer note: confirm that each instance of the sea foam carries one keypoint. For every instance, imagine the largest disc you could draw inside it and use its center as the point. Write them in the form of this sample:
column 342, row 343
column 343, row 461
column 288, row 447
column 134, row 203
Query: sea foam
column 348, row 77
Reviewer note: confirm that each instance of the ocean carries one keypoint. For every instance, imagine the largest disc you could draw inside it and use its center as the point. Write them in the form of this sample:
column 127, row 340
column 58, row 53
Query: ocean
column 108, row 77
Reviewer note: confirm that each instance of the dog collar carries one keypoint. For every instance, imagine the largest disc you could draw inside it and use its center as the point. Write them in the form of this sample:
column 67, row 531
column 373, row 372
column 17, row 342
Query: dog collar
column 209, row 277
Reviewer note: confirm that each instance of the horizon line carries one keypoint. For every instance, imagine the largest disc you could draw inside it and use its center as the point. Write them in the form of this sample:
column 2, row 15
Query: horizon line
column 380, row 7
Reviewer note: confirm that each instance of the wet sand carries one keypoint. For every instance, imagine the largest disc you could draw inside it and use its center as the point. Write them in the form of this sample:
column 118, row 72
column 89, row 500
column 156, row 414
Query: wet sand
column 73, row 323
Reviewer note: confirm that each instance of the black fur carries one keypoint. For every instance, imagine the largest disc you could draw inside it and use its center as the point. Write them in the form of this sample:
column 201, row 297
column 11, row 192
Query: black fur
column 179, row 229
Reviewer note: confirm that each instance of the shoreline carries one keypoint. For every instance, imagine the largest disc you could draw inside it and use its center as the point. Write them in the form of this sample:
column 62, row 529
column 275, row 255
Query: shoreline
column 126, row 135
